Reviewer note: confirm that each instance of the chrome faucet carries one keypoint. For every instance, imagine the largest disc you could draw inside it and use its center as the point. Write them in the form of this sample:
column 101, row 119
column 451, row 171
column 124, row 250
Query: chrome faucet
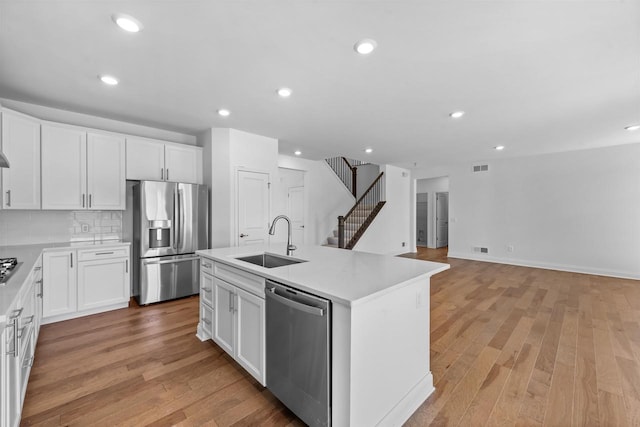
column 272, row 231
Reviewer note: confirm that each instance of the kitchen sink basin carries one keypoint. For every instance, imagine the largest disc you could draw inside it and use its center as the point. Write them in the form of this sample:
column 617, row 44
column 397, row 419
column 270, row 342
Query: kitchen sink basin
column 270, row 260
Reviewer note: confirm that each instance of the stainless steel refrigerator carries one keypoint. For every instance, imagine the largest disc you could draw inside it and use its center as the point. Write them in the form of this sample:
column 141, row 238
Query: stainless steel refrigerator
column 169, row 225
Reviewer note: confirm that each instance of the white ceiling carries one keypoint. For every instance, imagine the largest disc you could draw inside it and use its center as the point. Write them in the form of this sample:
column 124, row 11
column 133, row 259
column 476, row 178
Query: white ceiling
column 535, row 76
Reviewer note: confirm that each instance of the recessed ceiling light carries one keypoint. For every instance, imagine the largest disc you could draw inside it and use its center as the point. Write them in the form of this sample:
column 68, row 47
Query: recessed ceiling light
column 456, row 114
column 368, row 150
column 499, row 147
column 108, row 80
column 284, row 92
column 127, row 23
column 297, row 152
column 365, row 46
column 223, row 112
column 633, row 127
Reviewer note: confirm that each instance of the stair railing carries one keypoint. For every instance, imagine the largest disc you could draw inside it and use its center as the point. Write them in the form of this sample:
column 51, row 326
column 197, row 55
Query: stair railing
column 347, row 171
column 365, row 209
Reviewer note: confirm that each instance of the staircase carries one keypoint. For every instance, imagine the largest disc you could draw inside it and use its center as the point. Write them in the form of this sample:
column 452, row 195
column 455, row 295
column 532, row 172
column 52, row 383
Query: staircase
column 347, row 171
column 352, row 226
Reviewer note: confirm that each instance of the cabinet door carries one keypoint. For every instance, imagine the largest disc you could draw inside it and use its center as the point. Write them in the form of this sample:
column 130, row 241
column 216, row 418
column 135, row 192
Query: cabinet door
column 251, row 334
column 21, row 145
column 183, row 164
column 10, row 380
column 102, row 283
column 106, row 181
column 59, row 283
column 223, row 313
column 145, row 159
column 64, row 168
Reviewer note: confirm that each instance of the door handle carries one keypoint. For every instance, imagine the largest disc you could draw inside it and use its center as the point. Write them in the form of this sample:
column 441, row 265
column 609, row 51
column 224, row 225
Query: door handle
column 244, row 235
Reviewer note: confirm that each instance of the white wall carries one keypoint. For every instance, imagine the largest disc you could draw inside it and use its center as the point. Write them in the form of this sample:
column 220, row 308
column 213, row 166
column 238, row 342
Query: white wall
column 226, row 151
column 432, row 186
column 327, row 197
column 366, row 175
column 575, row 211
column 392, row 227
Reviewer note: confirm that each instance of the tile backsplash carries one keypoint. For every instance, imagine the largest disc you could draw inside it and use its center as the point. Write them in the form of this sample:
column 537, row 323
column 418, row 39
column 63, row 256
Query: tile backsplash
column 31, row 227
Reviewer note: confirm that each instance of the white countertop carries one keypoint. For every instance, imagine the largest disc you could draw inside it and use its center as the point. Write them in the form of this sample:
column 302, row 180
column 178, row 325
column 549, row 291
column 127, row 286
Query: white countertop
column 343, row 276
column 27, row 256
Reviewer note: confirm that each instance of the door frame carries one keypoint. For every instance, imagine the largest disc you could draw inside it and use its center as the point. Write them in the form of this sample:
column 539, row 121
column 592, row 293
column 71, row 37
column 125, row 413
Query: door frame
column 235, row 208
column 435, row 218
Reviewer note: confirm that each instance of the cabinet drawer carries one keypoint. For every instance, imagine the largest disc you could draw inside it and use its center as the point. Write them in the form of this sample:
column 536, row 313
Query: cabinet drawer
column 103, row 253
column 206, row 288
column 247, row 281
column 206, row 319
column 206, row 265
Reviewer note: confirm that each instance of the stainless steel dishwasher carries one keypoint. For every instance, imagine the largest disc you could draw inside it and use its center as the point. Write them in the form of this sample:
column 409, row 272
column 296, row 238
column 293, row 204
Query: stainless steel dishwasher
column 299, row 352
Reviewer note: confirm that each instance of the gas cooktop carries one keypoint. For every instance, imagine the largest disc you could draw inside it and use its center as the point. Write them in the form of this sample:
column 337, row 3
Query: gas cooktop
column 7, row 265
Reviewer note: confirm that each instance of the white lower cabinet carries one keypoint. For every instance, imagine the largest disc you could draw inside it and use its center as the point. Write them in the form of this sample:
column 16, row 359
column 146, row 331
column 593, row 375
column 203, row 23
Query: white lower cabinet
column 59, row 283
column 17, row 350
column 238, row 314
column 84, row 281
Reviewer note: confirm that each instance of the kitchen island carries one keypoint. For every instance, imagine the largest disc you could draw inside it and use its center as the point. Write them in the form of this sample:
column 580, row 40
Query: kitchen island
column 380, row 371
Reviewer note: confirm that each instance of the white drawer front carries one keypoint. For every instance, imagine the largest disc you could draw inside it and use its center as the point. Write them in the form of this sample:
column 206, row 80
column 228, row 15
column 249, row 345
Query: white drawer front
column 206, row 288
column 247, row 281
column 103, row 253
column 206, row 265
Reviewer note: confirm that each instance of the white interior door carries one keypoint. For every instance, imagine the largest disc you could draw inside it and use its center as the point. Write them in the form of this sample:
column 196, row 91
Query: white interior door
column 442, row 220
column 296, row 214
column 253, row 208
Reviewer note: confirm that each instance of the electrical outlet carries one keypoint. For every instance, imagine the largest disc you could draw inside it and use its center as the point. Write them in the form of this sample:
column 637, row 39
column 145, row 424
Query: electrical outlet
column 404, row 244
column 510, row 248
column 84, row 228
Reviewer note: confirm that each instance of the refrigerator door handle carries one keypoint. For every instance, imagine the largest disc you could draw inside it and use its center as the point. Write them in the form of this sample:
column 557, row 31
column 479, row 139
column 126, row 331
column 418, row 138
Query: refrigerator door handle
column 175, row 222
column 171, row 261
column 179, row 218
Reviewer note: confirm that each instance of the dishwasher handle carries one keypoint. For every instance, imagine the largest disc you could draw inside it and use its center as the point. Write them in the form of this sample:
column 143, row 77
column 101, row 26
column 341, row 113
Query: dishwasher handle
column 316, row 311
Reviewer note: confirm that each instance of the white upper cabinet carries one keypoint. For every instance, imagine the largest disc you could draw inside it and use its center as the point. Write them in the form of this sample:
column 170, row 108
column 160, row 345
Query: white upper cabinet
column 106, row 181
column 183, row 164
column 145, row 159
column 82, row 171
column 21, row 145
column 159, row 161
column 64, row 168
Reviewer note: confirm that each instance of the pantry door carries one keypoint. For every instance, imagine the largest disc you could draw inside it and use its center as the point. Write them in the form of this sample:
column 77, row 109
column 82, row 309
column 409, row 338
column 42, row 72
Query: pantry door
column 253, row 208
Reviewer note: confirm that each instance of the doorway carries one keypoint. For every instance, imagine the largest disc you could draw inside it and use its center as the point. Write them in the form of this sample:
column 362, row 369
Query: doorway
column 442, row 219
column 295, row 211
column 422, row 219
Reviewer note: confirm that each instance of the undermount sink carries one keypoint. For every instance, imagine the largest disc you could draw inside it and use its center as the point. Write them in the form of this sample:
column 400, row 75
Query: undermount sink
column 267, row 260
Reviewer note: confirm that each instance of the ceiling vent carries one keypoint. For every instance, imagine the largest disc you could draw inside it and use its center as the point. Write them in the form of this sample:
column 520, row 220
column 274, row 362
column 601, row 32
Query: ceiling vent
column 481, row 168
column 481, row 249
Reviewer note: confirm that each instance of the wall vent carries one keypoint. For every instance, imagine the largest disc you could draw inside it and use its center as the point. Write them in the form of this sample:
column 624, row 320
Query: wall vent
column 481, row 249
column 481, row 168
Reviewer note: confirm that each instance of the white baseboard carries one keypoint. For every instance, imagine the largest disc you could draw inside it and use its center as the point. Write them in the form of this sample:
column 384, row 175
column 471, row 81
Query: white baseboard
column 68, row 316
column 202, row 336
column 403, row 410
column 547, row 266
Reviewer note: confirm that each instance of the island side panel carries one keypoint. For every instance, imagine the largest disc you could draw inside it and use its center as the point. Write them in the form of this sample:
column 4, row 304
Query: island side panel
column 340, row 365
column 389, row 367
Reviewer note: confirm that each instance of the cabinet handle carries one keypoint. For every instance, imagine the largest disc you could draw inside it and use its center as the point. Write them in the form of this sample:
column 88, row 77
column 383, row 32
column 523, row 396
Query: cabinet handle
column 90, row 200
column 8, row 198
column 71, row 259
column 104, row 253
column 41, row 288
column 167, row 174
column 205, row 265
column 206, row 289
column 83, row 200
column 161, row 174
column 37, row 268
column 231, row 302
column 126, row 265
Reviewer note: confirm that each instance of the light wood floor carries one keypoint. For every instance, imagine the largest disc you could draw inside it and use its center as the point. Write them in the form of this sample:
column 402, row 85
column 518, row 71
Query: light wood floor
column 510, row 346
